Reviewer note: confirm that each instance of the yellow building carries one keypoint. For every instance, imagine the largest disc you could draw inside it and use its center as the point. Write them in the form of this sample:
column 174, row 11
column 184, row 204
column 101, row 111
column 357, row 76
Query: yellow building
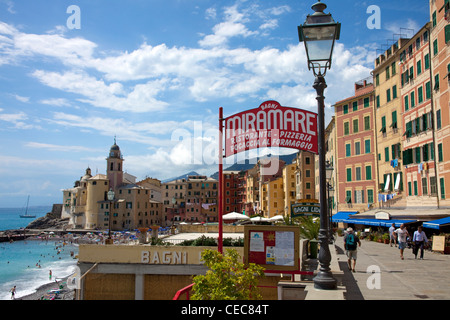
column 389, row 127
column 289, row 189
column 273, row 203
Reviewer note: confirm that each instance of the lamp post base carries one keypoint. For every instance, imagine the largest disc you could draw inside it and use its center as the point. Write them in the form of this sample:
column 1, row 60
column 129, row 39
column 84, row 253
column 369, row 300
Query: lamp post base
column 325, row 281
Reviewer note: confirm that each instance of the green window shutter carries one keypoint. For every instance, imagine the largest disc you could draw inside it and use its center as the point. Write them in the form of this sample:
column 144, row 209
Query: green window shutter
column 413, row 102
column 417, row 155
column 345, row 108
column 427, row 61
column 406, row 103
column 386, row 154
column 378, row 101
column 420, row 94
column 447, row 33
column 440, row 154
column 367, row 123
column 409, row 189
column 435, row 47
column 438, row 119
column 394, row 92
column 442, row 183
column 355, row 106
column 368, row 172
column 348, row 150
column 349, row 174
column 369, row 196
column 415, row 188
column 346, row 128
column 425, row 152
column 428, row 90
column 367, row 146
column 366, row 102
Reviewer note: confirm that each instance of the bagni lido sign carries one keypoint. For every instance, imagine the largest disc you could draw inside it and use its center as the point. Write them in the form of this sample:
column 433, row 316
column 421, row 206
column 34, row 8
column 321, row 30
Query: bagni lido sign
column 271, row 125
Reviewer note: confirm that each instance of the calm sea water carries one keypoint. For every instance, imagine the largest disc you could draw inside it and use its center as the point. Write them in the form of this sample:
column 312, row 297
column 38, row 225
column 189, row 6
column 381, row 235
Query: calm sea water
column 18, row 259
column 10, row 217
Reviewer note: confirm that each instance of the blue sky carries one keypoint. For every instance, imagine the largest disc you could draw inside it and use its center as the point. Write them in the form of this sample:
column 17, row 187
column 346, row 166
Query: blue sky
column 154, row 73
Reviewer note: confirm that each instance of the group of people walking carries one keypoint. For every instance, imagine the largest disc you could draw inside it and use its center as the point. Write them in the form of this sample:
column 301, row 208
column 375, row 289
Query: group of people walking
column 398, row 237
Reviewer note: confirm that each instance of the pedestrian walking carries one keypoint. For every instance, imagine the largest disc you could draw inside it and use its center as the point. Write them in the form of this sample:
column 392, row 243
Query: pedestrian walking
column 419, row 240
column 402, row 234
column 351, row 242
column 50, row 275
column 392, row 238
column 13, row 292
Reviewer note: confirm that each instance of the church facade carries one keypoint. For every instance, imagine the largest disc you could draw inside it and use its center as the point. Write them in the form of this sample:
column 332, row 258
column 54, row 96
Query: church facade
column 135, row 204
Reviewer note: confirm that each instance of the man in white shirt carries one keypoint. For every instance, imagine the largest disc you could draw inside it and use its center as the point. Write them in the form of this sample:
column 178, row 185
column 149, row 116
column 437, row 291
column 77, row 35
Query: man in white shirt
column 402, row 234
column 392, row 236
column 419, row 239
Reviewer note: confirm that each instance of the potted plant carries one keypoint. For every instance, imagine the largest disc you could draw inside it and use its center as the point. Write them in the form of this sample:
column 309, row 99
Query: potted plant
column 386, row 238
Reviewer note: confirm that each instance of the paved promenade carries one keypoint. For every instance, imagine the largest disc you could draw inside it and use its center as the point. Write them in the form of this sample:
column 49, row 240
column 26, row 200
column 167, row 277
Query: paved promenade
column 408, row 279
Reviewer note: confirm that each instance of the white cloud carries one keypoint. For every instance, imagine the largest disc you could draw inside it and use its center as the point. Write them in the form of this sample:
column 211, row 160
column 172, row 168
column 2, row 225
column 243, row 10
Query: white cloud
column 21, row 99
column 53, row 147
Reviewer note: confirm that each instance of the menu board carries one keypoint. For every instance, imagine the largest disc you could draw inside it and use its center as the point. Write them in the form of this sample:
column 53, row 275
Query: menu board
column 274, row 247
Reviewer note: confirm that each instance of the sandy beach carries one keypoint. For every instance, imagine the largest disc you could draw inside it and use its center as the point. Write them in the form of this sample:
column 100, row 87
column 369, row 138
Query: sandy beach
column 43, row 290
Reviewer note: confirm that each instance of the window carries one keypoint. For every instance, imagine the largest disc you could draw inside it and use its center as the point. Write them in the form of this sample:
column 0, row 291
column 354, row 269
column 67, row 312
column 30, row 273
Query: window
column 349, row 174
column 369, row 196
column 394, row 92
column 438, row 119
column 367, row 146
column 393, row 66
column 413, row 103
column 386, row 154
column 424, row 186
column 388, row 95
column 419, row 67
column 428, row 90
column 415, row 188
column 348, row 152
column 406, row 103
column 366, row 102
column 435, row 47
column 433, row 186
column 355, row 106
column 417, row 43
column 427, row 61
column 441, row 182
column 367, row 123
column 394, row 120
column 436, row 82
column 358, row 174
column 440, row 154
column 447, row 33
column 345, row 108
column 357, row 148
column 355, row 126
column 346, row 128
column 433, row 18
column 387, row 73
column 368, row 172
column 409, row 189
column 420, row 94
column 378, row 101
column 377, row 80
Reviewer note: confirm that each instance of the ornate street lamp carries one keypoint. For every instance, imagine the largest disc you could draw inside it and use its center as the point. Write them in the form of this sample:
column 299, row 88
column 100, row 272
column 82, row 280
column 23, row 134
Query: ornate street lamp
column 110, row 196
column 319, row 33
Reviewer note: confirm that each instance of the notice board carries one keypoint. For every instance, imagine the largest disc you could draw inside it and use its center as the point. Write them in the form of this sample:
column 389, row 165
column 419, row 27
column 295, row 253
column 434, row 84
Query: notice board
column 273, row 247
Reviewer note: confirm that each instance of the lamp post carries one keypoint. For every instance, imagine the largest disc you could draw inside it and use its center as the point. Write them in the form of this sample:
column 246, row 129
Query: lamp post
column 319, row 33
column 110, row 196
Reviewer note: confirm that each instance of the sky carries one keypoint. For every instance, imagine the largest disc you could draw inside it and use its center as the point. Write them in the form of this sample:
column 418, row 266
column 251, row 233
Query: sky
column 153, row 73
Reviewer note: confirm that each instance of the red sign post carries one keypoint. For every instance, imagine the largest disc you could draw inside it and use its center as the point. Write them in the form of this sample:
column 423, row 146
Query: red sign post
column 268, row 126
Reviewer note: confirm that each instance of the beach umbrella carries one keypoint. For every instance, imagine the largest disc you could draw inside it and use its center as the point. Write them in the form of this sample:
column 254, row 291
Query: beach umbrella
column 277, row 218
column 259, row 219
column 235, row 216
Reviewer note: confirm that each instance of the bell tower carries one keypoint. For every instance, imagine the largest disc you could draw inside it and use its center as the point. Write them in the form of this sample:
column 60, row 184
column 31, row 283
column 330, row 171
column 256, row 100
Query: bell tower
column 114, row 166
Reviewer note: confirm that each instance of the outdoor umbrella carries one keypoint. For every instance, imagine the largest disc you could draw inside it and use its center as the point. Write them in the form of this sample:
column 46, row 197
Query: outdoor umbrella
column 235, row 216
column 277, row 218
column 259, row 219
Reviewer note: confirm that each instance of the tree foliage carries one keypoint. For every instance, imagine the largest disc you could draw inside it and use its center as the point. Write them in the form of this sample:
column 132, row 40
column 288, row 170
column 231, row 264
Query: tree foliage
column 227, row 278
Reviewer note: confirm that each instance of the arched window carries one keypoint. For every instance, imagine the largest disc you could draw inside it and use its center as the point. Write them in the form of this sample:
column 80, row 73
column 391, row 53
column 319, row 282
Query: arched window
column 111, row 166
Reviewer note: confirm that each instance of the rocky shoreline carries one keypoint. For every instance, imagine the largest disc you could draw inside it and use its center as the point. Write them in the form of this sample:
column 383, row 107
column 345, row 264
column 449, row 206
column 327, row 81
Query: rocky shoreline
column 42, row 291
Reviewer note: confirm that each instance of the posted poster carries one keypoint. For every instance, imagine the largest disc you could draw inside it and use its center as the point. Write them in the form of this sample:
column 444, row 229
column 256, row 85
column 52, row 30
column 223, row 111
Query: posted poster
column 257, row 241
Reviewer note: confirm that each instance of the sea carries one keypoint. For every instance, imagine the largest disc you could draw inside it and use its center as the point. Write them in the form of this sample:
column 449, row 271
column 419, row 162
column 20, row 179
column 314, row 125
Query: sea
column 26, row 264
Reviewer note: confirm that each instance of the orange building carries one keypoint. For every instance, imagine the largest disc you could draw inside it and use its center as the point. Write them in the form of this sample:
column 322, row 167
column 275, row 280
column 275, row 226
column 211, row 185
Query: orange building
column 355, row 148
